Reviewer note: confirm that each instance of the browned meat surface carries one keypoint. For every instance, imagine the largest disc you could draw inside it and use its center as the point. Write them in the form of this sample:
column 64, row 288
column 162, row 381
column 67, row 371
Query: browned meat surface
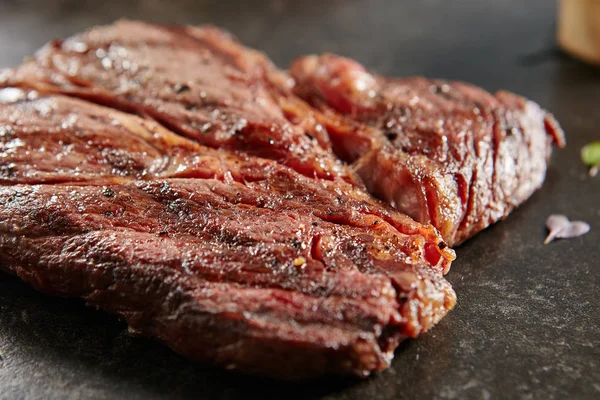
column 445, row 153
column 176, row 178
column 246, row 263
column 199, row 82
column 61, row 139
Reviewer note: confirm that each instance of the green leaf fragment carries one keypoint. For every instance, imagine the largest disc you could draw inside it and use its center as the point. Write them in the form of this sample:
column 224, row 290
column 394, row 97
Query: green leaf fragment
column 590, row 154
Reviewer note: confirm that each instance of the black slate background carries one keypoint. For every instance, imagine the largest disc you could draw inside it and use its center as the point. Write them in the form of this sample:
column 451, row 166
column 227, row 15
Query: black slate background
column 527, row 324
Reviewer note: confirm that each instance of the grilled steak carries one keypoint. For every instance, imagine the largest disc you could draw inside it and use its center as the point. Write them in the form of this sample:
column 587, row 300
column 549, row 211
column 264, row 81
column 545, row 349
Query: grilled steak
column 176, row 178
column 245, row 263
column 445, row 153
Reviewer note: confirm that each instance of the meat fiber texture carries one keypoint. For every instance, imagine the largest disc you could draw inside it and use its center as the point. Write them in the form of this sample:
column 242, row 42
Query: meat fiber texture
column 176, row 178
column 446, row 153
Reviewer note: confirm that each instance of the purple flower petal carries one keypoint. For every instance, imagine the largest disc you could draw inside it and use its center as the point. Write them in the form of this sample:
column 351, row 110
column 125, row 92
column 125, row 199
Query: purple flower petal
column 560, row 227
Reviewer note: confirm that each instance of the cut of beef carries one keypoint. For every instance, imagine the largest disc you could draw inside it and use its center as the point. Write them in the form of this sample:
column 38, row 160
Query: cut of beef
column 178, row 179
column 199, row 82
column 245, row 263
column 445, row 153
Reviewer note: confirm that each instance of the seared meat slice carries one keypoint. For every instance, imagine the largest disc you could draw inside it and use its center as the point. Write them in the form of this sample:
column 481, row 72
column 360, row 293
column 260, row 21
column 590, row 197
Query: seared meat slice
column 229, row 274
column 59, row 139
column 445, row 153
column 246, row 263
column 198, row 82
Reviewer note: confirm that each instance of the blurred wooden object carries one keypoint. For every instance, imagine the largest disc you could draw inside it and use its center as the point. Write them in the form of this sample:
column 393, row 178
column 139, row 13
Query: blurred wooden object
column 579, row 28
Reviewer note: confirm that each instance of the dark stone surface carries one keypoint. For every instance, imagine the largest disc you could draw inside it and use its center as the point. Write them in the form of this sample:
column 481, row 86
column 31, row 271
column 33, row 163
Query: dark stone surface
column 527, row 324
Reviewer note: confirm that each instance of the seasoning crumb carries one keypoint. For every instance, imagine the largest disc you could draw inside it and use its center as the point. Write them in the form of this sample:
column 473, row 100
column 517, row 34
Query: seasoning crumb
column 108, row 192
column 300, row 261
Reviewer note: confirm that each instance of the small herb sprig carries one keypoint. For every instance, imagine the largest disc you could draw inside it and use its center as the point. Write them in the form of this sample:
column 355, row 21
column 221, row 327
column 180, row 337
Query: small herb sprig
column 590, row 155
